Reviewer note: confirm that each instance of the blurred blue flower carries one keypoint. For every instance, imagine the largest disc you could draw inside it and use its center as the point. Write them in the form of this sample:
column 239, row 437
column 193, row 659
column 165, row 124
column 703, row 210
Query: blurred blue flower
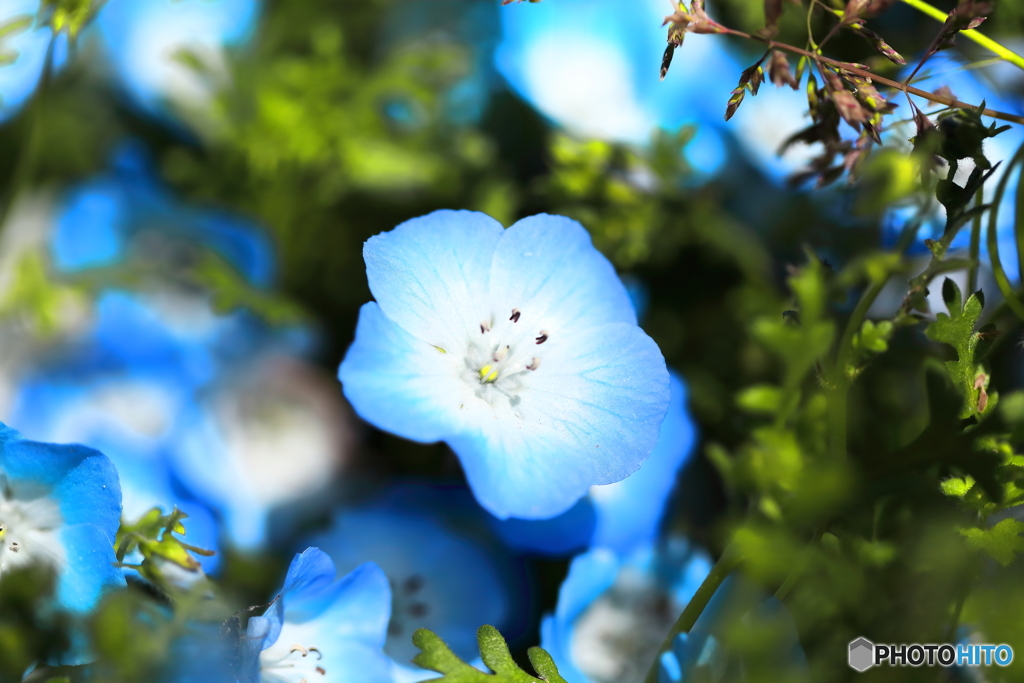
column 623, row 515
column 445, row 575
column 99, row 219
column 122, row 387
column 613, row 612
column 517, row 347
column 737, row 609
column 214, row 414
column 592, row 66
column 143, row 41
column 320, row 627
column 60, row 505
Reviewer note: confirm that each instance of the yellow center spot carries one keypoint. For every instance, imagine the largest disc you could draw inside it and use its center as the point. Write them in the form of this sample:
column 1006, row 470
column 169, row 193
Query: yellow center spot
column 488, row 373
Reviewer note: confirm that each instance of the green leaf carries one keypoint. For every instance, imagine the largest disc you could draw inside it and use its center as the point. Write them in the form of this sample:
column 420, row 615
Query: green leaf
column 957, row 487
column 1001, row 542
column 872, row 338
column 437, row 656
column 957, row 329
column 761, row 398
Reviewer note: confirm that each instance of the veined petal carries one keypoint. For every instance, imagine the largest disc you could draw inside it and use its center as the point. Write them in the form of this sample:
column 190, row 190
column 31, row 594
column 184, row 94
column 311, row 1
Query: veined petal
column 547, row 267
column 590, row 415
column 629, row 512
column 82, row 480
column 400, row 383
column 89, row 568
column 310, row 574
column 430, row 274
column 309, row 577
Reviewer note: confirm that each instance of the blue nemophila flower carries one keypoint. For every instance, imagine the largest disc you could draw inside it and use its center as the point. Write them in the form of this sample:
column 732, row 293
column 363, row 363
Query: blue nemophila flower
column 60, row 505
column 614, row 612
column 623, row 515
column 517, row 347
column 446, row 574
column 143, row 41
column 321, row 628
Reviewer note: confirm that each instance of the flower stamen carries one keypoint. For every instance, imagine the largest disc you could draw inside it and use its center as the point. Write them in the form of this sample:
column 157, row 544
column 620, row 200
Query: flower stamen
column 534, row 364
column 488, row 374
column 543, row 337
column 500, row 353
column 515, row 315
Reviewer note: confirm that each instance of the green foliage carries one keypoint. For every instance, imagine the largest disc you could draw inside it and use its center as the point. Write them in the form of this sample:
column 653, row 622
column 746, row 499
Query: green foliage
column 957, row 330
column 71, row 15
column 36, row 296
column 1002, row 542
column 30, row 631
column 229, row 290
column 437, row 656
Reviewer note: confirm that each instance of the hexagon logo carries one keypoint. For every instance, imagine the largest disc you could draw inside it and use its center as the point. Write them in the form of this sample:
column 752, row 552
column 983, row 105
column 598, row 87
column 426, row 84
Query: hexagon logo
column 862, row 654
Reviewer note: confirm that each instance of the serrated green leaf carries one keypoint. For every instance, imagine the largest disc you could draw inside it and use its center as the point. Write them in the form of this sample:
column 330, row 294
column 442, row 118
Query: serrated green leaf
column 1001, row 542
column 957, row 329
column 957, row 487
column 435, row 655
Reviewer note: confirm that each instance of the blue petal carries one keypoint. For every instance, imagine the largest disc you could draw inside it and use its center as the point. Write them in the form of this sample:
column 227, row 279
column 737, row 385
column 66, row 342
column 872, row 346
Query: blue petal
column 460, row 582
column 309, row 576
column 89, row 569
column 359, row 607
column 629, row 512
column 90, row 230
column 82, row 480
column 430, row 274
column 260, row 633
column 590, row 575
column 566, row 533
column 547, row 267
column 400, row 383
column 590, row 415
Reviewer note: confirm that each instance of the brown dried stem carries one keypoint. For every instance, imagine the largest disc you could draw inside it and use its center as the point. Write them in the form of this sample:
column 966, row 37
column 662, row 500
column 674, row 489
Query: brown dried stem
column 846, row 66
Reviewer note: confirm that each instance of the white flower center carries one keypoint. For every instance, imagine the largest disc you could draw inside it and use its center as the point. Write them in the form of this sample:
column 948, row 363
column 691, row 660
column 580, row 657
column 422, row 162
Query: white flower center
column 501, row 356
column 293, row 663
column 617, row 637
column 29, row 530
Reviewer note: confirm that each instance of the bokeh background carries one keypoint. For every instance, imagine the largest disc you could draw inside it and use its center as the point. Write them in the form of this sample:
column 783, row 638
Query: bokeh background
column 186, row 186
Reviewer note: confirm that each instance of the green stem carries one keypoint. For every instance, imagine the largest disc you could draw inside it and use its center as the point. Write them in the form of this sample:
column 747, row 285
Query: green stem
column 726, row 563
column 980, row 38
column 1002, row 281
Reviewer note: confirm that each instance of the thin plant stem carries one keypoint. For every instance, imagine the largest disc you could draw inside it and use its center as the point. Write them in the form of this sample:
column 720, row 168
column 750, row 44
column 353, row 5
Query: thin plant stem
column 972, row 34
column 850, row 68
column 975, row 248
column 726, row 563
